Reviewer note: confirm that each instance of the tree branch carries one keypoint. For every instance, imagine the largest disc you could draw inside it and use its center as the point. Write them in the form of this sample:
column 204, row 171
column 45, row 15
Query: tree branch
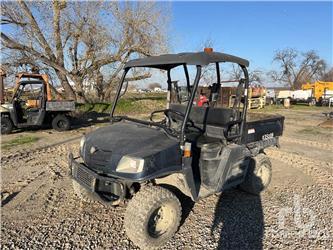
column 11, row 44
column 56, row 32
column 37, row 30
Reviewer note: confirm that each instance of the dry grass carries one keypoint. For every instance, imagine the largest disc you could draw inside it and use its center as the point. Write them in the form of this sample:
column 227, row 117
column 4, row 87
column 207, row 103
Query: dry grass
column 19, row 141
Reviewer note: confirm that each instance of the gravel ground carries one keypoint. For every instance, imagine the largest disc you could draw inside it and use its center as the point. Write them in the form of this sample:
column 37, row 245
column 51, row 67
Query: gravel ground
column 39, row 209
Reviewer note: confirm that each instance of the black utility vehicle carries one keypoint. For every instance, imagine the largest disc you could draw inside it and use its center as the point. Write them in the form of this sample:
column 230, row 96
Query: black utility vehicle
column 198, row 151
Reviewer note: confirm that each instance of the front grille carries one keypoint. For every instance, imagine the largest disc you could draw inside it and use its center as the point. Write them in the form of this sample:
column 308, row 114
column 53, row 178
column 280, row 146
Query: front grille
column 84, row 177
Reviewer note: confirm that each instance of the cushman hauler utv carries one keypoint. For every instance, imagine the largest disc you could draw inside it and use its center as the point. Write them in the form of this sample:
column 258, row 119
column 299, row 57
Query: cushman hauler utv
column 32, row 106
column 199, row 151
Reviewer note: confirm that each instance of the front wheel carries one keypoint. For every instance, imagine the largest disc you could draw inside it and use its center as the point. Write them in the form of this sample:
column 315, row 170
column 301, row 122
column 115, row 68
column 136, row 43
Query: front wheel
column 259, row 175
column 61, row 123
column 152, row 217
column 6, row 125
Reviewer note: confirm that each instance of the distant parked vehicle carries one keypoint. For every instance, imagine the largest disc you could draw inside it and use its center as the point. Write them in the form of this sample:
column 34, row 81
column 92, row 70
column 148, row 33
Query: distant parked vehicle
column 297, row 96
column 326, row 98
column 270, row 96
column 283, row 94
column 321, row 91
column 303, row 96
column 32, row 106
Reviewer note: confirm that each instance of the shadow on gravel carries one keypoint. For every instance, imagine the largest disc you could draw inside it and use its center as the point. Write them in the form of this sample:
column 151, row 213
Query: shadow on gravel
column 89, row 118
column 240, row 217
column 77, row 121
column 9, row 198
column 186, row 202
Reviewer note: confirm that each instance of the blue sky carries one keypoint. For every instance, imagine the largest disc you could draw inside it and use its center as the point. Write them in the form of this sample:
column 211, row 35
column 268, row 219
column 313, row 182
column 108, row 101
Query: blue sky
column 253, row 30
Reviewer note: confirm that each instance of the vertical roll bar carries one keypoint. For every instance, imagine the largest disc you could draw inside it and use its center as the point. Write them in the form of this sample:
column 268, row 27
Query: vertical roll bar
column 118, row 92
column 218, row 74
column 246, row 86
column 190, row 104
column 187, row 79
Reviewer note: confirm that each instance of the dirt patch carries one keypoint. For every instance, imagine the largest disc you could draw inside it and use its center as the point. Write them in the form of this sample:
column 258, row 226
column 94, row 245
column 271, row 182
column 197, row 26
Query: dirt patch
column 327, row 124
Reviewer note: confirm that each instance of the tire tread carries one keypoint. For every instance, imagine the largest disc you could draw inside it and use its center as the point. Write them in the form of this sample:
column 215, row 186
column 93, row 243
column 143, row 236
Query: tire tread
column 139, row 208
column 248, row 185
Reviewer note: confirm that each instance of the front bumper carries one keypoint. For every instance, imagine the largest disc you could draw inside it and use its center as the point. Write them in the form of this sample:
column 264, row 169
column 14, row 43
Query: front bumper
column 107, row 188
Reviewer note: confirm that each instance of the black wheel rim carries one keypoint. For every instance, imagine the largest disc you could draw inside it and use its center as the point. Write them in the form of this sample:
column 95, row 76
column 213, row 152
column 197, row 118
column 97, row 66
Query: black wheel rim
column 161, row 220
column 61, row 124
column 263, row 175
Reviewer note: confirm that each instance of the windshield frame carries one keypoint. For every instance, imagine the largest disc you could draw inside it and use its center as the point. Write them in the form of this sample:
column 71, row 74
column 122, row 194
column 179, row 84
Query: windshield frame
column 192, row 92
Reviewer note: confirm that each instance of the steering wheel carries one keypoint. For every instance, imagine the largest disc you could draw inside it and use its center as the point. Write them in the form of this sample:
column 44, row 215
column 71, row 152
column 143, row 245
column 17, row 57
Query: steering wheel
column 168, row 111
column 155, row 112
column 167, row 114
column 20, row 101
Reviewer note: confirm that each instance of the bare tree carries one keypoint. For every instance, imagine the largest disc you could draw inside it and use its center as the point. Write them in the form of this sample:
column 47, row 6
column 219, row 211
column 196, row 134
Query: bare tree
column 208, row 73
column 255, row 76
column 82, row 43
column 232, row 70
column 297, row 68
column 327, row 76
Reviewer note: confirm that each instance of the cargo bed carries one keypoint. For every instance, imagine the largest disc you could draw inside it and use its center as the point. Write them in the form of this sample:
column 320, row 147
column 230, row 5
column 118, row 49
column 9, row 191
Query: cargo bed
column 260, row 127
column 60, row 105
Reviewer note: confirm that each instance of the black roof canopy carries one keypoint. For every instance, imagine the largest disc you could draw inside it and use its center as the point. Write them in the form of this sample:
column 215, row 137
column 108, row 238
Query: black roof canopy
column 169, row 61
column 24, row 82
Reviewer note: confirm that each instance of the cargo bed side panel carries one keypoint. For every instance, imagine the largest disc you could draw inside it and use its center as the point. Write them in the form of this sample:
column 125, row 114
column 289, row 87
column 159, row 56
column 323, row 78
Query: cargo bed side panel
column 60, row 106
column 263, row 129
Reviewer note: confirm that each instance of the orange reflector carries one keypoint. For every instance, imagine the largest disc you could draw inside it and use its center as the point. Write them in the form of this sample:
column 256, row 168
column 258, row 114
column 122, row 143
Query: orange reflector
column 187, row 149
column 208, row 50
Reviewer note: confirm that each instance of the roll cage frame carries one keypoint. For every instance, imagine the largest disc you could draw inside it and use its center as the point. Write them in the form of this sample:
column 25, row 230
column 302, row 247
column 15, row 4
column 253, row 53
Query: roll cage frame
column 164, row 65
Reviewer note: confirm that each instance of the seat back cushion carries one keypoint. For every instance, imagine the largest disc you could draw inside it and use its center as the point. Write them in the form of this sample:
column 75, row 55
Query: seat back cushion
column 208, row 115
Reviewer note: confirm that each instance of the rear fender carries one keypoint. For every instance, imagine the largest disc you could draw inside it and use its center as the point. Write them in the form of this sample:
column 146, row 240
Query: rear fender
column 257, row 147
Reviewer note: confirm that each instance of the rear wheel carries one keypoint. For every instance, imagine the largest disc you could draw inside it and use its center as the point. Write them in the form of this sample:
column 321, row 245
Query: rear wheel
column 312, row 103
column 6, row 125
column 61, row 123
column 259, row 175
column 152, row 217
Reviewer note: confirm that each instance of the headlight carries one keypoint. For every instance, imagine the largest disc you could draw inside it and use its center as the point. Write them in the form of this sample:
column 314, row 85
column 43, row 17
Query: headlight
column 83, row 140
column 129, row 164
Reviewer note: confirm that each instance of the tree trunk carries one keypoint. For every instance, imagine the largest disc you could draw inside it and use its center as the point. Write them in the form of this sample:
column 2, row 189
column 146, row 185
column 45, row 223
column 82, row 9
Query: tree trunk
column 69, row 92
column 99, row 86
column 80, row 97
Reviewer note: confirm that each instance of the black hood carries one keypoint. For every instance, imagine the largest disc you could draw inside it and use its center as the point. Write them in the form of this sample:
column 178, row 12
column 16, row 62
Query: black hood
column 111, row 143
